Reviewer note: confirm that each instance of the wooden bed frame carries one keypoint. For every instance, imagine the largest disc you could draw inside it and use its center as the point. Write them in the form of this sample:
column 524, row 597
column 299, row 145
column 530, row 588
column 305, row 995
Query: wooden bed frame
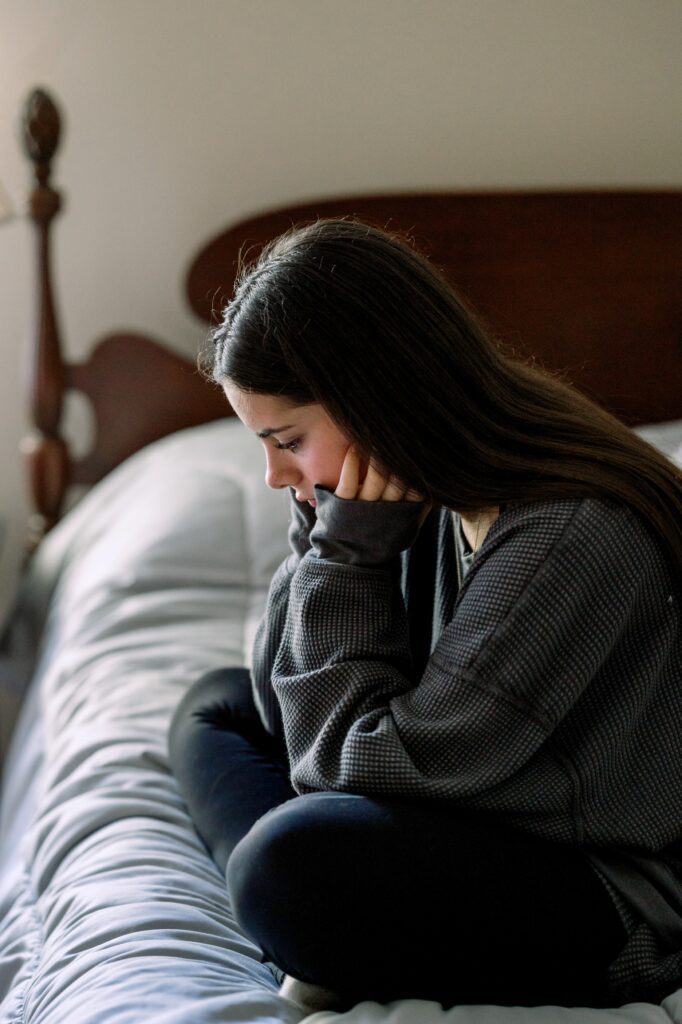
column 585, row 282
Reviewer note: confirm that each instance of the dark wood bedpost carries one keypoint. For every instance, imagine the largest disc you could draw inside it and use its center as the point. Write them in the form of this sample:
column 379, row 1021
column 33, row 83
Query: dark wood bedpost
column 44, row 449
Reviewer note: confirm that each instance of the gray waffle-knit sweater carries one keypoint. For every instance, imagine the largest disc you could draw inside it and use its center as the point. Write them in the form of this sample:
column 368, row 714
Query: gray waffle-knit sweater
column 544, row 686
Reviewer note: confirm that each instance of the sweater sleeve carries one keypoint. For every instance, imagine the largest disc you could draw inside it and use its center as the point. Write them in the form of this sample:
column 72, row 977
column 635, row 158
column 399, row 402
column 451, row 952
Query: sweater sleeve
column 546, row 601
column 265, row 647
column 270, row 629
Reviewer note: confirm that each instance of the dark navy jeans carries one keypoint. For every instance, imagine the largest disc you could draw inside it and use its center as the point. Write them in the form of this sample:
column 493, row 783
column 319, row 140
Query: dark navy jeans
column 381, row 898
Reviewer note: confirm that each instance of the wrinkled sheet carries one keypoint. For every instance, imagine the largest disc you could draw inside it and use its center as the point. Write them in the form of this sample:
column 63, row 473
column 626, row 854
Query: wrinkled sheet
column 112, row 911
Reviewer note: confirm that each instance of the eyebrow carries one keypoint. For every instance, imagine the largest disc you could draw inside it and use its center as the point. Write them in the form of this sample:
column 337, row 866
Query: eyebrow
column 273, row 430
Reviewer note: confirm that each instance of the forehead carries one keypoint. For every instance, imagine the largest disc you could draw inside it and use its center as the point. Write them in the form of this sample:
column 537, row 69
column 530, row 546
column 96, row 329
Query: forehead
column 262, row 412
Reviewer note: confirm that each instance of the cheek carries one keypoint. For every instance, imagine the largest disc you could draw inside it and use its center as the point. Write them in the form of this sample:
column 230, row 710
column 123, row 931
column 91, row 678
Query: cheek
column 325, row 466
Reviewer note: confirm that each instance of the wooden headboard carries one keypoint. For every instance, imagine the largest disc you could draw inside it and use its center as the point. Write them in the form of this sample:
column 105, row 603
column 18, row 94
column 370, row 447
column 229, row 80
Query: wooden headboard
column 585, row 282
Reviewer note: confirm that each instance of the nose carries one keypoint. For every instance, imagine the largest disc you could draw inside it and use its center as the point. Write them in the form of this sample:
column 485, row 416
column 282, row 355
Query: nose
column 279, row 472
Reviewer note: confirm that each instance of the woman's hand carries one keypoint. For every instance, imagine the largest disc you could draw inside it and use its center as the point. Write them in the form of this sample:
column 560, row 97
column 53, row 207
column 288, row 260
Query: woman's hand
column 376, row 486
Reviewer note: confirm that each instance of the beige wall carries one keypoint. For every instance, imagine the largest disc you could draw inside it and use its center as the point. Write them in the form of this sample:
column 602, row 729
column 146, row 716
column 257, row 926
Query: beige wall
column 185, row 114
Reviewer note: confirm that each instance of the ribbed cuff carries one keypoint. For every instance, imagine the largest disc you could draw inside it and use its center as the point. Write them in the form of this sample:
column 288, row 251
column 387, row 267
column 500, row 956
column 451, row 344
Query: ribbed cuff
column 367, row 533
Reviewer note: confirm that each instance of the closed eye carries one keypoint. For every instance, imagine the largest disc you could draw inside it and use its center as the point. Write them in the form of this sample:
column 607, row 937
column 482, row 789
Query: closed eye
column 290, row 446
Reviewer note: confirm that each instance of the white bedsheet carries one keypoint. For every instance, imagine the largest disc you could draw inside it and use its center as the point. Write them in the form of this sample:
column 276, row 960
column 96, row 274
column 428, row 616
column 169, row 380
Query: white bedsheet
column 112, row 911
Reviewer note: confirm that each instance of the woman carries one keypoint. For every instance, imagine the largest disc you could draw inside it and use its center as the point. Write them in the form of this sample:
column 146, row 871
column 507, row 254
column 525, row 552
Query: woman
column 453, row 772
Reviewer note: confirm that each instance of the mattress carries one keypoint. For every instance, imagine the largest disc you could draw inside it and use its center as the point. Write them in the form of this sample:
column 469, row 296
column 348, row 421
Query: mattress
column 112, row 910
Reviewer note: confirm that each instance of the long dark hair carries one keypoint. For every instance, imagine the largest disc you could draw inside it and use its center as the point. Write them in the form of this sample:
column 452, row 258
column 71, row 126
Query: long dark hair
column 344, row 314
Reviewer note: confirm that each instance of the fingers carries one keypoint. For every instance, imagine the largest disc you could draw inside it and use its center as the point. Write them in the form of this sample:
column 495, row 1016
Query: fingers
column 373, row 485
column 349, row 479
column 394, row 490
column 376, row 485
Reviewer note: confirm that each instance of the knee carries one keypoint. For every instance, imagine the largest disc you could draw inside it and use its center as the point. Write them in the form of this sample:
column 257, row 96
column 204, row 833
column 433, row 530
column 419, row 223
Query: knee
column 262, row 854
column 219, row 685
column 281, row 868
column 263, row 871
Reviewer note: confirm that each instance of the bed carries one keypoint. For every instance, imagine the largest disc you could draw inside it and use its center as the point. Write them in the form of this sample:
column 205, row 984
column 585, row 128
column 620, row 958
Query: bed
column 112, row 911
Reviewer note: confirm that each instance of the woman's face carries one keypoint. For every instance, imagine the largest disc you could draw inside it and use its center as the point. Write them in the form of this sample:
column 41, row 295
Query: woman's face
column 303, row 446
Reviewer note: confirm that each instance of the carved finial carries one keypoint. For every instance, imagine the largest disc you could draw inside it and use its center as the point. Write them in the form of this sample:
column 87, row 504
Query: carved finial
column 42, row 127
column 45, row 450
